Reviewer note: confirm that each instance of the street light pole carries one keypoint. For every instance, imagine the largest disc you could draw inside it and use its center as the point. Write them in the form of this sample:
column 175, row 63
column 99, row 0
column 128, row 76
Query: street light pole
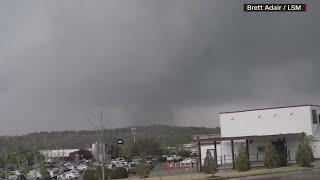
column 101, row 147
column 133, row 131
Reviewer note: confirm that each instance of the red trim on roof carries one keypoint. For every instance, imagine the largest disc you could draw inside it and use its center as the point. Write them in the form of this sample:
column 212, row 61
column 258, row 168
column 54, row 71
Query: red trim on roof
column 268, row 108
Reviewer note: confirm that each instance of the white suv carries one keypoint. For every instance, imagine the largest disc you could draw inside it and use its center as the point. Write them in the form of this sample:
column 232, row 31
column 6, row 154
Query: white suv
column 72, row 174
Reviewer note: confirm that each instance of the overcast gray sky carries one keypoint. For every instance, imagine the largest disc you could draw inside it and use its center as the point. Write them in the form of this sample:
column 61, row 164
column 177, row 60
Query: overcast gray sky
column 176, row 62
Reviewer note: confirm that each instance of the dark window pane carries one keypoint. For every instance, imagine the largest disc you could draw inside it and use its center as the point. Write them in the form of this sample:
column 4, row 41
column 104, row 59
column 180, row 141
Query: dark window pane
column 314, row 117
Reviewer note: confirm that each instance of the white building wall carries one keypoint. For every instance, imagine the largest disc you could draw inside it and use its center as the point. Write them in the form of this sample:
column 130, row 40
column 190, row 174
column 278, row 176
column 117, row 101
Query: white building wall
column 205, row 148
column 316, row 127
column 267, row 122
column 56, row 153
column 316, row 149
column 225, row 155
column 292, row 146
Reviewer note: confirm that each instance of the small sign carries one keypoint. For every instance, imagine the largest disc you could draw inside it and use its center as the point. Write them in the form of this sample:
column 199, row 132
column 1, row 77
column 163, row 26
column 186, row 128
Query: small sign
column 119, row 141
column 275, row 7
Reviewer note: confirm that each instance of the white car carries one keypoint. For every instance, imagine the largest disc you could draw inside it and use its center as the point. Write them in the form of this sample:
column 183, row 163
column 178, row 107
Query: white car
column 72, row 174
column 121, row 164
column 82, row 167
column 111, row 166
column 188, row 161
column 174, row 158
column 54, row 172
column 120, row 159
column 33, row 175
column 14, row 175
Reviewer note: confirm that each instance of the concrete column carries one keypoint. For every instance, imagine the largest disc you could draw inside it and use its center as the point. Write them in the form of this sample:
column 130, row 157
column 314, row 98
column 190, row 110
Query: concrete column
column 247, row 147
column 199, row 150
column 215, row 152
column 232, row 152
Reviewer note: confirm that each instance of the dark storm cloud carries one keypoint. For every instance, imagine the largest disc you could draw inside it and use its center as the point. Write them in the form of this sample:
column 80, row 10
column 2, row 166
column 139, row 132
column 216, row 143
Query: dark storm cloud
column 145, row 62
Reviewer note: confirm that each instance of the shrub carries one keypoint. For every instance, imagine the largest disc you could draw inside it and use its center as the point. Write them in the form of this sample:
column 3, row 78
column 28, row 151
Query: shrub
column 304, row 154
column 242, row 161
column 119, row 173
column 90, row 174
column 44, row 172
column 272, row 157
column 209, row 166
column 184, row 153
column 2, row 174
column 107, row 172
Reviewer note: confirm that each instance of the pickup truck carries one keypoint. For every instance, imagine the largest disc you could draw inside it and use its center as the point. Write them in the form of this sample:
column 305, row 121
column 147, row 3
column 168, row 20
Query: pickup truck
column 174, row 158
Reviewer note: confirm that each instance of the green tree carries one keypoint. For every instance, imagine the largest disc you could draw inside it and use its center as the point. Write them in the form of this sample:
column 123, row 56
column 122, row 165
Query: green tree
column 107, row 172
column 304, row 154
column 119, row 173
column 90, row 174
column 184, row 153
column 242, row 161
column 209, row 166
column 272, row 157
column 143, row 169
column 43, row 170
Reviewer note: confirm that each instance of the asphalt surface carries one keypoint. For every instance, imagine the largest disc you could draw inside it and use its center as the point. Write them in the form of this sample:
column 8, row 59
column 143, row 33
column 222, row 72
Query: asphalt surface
column 305, row 175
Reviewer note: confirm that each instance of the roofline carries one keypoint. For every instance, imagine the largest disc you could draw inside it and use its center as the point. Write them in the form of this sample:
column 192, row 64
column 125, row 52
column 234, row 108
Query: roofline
column 246, row 137
column 280, row 107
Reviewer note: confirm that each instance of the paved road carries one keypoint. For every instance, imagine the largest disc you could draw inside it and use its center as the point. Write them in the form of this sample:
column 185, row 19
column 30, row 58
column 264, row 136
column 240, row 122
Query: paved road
column 304, row 175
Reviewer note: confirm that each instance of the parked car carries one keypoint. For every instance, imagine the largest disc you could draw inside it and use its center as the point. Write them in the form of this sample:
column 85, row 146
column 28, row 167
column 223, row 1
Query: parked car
column 188, row 161
column 151, row 164
column 34, row 175
column 54, row 172
column 111, row 166
column 120, row 159
column 82, row 167
column 162, row 158
column 16, row 175
column 135, row 159
column 133, row 168
column 174, row 158
column 72, row 174
column 121, row 164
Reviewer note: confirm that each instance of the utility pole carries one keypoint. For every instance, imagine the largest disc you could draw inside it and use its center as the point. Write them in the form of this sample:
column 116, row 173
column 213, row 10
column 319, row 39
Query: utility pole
column 45, row 142
column 62, row 145
column 6, row 157
column 96, row 139
column 133, row 131
column 34, row 152
column 101, row 147
column 199, row 151
column 45, row 147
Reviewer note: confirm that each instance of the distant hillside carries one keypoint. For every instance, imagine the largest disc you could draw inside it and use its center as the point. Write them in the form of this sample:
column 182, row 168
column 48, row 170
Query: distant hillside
column 166, row 135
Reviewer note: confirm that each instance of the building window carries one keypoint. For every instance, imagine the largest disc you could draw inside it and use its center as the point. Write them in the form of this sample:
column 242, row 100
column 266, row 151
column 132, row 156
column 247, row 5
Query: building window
column 261, row 149
column 314, row 117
